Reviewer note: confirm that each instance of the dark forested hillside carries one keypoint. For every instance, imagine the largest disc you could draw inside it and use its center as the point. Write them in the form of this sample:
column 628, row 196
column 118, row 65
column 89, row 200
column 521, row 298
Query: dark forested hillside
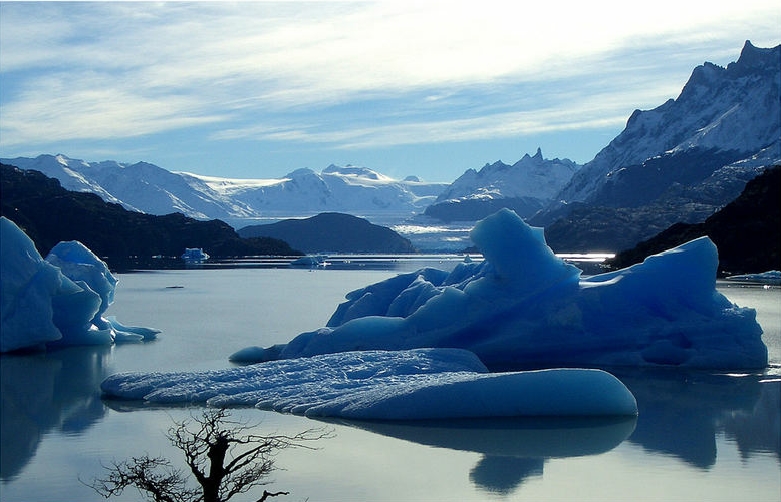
column 48, row 214
column 333, row 232
column 746, row 231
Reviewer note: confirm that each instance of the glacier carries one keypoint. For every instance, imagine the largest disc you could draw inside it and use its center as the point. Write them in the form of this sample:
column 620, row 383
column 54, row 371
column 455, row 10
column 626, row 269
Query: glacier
column 524, row 308
column 57, row 301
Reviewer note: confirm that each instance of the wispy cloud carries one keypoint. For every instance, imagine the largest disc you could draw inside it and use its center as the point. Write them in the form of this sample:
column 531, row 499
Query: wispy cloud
column 354, row 74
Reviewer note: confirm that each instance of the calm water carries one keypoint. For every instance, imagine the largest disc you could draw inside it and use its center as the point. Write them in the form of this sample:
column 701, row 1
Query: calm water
column 699, row 436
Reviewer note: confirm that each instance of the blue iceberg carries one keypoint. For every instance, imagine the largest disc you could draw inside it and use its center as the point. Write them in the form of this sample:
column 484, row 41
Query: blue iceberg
column 525, row 308
column 386, row 385
column 57, row 301
column 420, row 345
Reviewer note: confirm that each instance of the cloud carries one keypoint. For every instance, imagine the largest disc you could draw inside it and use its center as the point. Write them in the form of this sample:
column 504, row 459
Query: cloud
column 442, row 131
column 88, row 106
column 355, row 74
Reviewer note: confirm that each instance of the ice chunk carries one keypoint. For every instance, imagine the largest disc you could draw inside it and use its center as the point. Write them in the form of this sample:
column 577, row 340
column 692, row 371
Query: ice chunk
column 388, row 385
column 771, row 277
column 60, row 300
column 28, row 285
column 80, row 265
column 523, row 307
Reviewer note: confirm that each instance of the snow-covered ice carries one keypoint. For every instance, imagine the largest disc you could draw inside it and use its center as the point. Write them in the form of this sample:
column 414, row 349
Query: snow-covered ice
column 59, row 300
column 387, row 385
column 523, row 307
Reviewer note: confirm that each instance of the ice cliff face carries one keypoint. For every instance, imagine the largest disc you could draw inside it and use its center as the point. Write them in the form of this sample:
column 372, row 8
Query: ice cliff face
column 735, row 108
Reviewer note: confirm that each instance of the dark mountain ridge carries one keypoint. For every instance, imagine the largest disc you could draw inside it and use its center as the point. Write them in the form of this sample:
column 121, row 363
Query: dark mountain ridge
column 124, row 239
column 333, row 233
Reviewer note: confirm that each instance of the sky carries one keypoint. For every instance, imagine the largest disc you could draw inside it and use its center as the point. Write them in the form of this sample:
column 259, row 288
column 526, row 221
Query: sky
column 259, row 89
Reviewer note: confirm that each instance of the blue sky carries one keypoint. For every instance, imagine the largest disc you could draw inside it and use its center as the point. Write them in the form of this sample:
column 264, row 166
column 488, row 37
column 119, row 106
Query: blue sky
column 258, row 89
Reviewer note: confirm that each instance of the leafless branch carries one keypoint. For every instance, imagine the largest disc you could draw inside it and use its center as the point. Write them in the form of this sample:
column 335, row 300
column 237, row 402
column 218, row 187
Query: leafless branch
column 223, row 455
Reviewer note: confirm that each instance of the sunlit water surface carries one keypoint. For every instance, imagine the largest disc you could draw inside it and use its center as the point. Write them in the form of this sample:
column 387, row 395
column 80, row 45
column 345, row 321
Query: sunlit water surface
column 699, row 435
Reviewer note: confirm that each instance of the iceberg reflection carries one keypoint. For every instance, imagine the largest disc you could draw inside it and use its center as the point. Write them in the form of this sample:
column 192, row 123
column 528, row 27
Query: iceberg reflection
column 680, row 413
column 512, row 449
column 57, row 390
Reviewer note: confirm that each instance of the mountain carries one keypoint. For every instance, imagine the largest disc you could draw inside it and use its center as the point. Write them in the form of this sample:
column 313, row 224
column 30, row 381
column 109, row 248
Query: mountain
column 137, row 187
column 151, row 189
column 747, row 231
column 526, row 187
column 49, row 214
column 681, row 161
column 333, row 232
column 346, row 189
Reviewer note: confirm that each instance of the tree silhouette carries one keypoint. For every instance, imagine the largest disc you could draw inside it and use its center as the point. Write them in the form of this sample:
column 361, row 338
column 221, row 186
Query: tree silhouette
column 222, row 454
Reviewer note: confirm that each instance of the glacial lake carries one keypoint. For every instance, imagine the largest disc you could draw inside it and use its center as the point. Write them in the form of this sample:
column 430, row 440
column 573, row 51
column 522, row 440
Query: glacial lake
column 706, row 436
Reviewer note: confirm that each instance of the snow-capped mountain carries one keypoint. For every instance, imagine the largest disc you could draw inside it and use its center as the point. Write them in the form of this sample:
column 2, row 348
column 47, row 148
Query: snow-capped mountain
column 526, row 186
column 357, row 190
column 737, row 108
column 681, row 161
column 151, row 189
column 140, row 187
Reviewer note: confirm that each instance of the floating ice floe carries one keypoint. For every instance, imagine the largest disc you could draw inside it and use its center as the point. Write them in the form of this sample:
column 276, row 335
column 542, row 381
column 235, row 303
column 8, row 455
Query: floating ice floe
column 388, row 385
column 59, row 300
column 771, row 277
column 523, row 307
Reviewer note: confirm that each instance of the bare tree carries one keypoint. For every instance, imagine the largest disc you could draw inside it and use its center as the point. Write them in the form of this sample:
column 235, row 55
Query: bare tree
column 222, row 454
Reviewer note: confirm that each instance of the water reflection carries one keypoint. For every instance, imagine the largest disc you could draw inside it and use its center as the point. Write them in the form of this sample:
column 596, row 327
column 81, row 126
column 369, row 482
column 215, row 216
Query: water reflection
column 680, row 415
column 757, row 430
column 39, row 393
column 513, row 449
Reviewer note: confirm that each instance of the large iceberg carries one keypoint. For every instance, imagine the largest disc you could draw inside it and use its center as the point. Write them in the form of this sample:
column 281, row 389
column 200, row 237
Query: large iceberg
column 59, row 300
column 388, row 385
column 525, row 308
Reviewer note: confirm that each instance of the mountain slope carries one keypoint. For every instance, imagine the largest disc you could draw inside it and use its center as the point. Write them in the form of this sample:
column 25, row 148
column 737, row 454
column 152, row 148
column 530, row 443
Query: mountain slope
column 526, row 187
column 681, row 161
column 734, row 108
column 151, row 189
column 333, row 232
column 747, row 231
column 357, row 190
column 48, row 214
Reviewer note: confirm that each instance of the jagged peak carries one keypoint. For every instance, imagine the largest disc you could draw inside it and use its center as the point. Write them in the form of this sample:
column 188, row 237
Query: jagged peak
column 752, row 57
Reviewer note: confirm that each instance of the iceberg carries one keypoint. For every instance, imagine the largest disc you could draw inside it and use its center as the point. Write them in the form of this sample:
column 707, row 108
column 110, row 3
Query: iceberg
column 524, row 308
column 57, row 301
column 416, row 384
column 194, row 256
